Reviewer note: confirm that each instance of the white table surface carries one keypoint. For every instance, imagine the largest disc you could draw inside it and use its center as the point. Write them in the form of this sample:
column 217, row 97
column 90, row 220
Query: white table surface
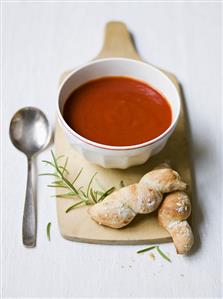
column 40, row 41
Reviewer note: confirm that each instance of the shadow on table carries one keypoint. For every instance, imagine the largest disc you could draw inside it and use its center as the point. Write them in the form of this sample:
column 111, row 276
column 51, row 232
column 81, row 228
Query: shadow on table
column 196, row 217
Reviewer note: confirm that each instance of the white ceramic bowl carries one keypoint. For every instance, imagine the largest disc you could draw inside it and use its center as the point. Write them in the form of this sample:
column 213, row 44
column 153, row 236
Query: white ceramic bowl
column 118, row 156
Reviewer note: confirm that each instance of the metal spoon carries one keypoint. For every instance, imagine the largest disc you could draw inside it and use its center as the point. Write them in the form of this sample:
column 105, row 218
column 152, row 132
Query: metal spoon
column 30, row 133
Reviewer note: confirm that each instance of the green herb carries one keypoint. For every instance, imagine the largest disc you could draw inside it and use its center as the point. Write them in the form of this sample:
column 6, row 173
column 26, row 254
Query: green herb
column 106, row 193
column 90, row 196
column 146, row 249
column 48, row 230
column 158, row 250
column 74, row 206
column 162, row 254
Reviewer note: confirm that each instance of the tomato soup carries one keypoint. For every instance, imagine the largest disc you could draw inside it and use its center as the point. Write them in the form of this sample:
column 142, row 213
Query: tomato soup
column 117, row 111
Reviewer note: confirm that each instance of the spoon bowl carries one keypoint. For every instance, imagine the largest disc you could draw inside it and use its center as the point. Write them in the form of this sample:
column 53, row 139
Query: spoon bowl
column 30, row 133
column 29, row 130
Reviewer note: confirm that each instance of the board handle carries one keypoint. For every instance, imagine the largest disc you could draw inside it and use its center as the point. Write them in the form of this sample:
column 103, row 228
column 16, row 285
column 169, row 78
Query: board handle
column 118, row 42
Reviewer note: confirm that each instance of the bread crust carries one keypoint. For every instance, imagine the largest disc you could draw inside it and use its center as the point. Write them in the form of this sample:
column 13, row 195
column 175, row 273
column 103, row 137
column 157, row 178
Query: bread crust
column 172, row 215
column 119, row 208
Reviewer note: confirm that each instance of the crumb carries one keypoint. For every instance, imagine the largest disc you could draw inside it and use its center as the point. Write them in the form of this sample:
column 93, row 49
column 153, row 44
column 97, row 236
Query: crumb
column 182, row 275
column 122, row 266
column 130, row 266
column 152, row 256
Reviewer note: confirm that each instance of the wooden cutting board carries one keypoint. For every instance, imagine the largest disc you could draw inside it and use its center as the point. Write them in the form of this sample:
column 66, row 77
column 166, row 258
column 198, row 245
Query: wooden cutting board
column 77, row 225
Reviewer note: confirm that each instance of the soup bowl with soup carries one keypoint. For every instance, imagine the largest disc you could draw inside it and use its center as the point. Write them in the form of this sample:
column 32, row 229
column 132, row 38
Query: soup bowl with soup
column 118, row 112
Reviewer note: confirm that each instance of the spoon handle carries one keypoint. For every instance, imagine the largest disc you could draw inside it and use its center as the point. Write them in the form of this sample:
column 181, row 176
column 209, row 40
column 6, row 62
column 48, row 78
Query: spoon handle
column 29, row 216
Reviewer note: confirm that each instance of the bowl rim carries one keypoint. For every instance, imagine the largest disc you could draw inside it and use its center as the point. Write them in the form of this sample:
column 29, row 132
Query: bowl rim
column 111, row 147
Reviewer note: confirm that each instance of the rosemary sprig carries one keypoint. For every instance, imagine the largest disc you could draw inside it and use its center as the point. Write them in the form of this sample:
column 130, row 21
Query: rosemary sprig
column 161, row 253
column 48, row 230
column 90, row 196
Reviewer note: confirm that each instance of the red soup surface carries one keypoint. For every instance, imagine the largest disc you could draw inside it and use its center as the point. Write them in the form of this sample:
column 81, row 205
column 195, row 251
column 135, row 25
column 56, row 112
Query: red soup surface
column 117, row 111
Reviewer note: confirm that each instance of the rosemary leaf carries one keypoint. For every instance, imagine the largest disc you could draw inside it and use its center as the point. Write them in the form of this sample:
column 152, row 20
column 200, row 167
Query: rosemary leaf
column 74, row 205
column 162, row 254
column 48, row 162
column 69, row 185
column 106, row 193
column 93, row 195
column 55, row 165
column 48, row 230
column 55, row 186
column 83, row 193
column 54, row 158
column 65, row 195
column 64, row 167
column 146, row 249
column 77, row 176
column 89, row 185
column 49, row 174
column 59, row 183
